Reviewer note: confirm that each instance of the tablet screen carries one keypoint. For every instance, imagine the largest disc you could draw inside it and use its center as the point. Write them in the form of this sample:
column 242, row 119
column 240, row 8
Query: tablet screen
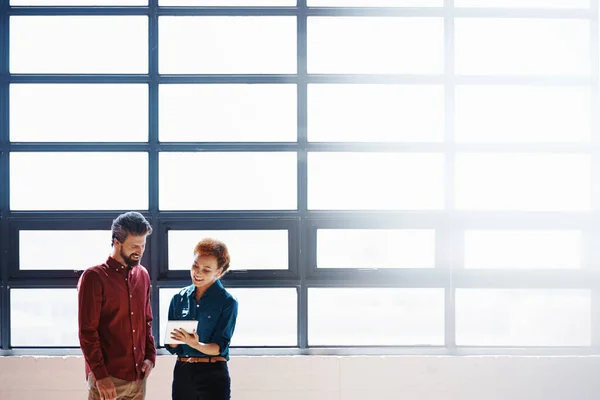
column 186, row 325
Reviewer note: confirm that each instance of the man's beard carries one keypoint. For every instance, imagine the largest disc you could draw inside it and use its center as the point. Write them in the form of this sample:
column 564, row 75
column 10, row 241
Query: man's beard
column 130, row 261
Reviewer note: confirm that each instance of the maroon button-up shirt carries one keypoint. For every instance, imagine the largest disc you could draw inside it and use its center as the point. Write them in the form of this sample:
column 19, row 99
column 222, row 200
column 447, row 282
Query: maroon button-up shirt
column 115, row 320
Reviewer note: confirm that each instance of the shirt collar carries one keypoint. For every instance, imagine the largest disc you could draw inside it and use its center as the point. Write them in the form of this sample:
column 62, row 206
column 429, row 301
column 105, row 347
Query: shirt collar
column 217, row 286
column 115, row 265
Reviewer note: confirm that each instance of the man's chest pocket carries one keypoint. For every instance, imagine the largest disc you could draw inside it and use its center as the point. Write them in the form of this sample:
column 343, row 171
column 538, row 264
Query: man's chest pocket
column 207, row 323
column 138, row 288
column 138, row 297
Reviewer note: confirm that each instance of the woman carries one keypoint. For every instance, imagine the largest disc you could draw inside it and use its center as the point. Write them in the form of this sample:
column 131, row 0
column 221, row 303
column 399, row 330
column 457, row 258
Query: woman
column 201, row 371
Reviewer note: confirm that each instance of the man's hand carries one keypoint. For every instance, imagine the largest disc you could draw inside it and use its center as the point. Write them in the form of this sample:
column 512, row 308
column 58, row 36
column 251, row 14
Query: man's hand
column 147, row 368
column 191, row 339
column 107, row 389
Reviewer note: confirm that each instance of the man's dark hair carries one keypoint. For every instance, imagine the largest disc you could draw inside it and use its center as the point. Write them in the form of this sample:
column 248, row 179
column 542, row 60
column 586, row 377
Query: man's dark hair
column 131, row 222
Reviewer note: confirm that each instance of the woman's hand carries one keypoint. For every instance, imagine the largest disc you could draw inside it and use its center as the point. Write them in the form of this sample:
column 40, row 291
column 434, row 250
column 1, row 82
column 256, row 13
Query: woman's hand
column 191, row 339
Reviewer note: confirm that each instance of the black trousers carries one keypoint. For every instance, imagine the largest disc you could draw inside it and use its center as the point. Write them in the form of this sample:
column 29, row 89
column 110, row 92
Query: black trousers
column 201, row 381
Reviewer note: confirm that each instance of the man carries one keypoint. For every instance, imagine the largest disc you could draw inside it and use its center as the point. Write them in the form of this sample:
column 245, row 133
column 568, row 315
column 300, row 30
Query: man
column 115, row 316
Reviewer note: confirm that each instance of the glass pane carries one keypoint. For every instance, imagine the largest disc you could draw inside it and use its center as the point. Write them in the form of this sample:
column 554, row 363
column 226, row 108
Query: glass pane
column 228, row 113
column 375, row 181
column 228, row 3
column 375, row 45
column 242, row 247
column 375, row 248
column 243, row 181
column 78, row 113
column 78, row 2
column 526, row 182
column 266, row 317
column 524, row 3
column 79, row 44
column 375, row 113
column 227, row 45
column 375, row 3
column 522, row 46
column 523, row 114
column 78, row 181
column 43, row 317
column 517, row 249
column 518, row 317
column 348, row 317
column 54, row 250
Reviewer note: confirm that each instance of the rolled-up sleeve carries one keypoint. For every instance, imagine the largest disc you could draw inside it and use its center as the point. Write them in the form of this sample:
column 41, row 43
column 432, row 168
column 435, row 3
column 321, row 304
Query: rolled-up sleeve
column 226, row 325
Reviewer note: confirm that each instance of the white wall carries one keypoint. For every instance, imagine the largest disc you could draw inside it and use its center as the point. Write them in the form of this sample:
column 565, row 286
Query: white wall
column 338, row 378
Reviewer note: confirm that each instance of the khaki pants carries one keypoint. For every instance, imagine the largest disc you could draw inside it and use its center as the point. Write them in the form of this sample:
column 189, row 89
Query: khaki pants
column 126, row 390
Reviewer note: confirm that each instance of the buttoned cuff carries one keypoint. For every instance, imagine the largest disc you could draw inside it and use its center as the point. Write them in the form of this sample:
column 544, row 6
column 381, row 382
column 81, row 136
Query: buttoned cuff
column 100, row 373
column 151, row 358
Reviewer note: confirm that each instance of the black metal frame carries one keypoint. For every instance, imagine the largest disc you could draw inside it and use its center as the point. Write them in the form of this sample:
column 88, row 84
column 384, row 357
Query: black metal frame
column 302, row 223
column 234, row 276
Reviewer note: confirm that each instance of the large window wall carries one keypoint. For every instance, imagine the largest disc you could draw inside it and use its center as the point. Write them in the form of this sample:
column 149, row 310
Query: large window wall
column 391, row 176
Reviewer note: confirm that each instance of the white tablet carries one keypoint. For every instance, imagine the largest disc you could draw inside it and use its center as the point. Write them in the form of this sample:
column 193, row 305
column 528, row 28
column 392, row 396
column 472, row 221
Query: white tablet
column 186, row 325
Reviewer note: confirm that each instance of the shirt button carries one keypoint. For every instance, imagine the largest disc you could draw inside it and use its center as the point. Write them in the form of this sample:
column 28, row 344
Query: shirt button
column 134, row 348
column 197, row 305
column 132, row 313
column 131, row 296
column 134, row 330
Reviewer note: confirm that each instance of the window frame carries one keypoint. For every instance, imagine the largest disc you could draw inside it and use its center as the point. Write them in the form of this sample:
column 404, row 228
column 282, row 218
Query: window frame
column 302, row 223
